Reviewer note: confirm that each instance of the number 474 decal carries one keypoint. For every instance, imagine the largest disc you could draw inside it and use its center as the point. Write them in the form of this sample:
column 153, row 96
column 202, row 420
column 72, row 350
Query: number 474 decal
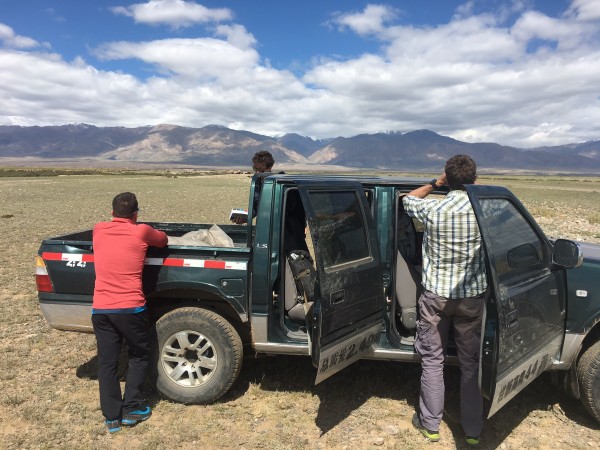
column 76, row 263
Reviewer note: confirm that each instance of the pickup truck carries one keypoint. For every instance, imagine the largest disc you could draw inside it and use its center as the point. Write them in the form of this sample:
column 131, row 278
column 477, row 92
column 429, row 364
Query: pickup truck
column 210, row 306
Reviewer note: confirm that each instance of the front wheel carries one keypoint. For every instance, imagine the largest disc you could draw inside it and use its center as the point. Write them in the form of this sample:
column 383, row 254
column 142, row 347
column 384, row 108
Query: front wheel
column 198, row 355
column 588, row 372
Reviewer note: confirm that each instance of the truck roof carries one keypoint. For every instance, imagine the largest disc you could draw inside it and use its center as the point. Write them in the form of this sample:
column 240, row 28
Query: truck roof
column 367, row 180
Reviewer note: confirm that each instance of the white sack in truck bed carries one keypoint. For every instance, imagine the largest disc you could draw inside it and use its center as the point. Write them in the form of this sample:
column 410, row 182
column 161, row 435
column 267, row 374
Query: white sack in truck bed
column 213, row 237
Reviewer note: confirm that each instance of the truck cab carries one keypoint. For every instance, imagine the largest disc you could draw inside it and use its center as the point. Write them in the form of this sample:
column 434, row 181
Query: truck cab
column 367, row 255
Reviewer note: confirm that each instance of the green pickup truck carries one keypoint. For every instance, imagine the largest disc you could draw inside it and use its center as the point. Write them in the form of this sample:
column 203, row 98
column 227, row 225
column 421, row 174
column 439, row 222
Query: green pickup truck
column 212, row 305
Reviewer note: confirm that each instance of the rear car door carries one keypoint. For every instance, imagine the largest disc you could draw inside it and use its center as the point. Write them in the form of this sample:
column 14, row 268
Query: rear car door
column 347, row 315
column 525, row 307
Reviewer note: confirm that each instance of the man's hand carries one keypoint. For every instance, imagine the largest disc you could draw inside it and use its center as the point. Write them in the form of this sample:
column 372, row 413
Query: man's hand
column 427, row 189
column 238, row 220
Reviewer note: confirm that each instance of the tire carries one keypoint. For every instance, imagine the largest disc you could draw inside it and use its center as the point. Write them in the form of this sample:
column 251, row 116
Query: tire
column 588, row 373
column 198, row 355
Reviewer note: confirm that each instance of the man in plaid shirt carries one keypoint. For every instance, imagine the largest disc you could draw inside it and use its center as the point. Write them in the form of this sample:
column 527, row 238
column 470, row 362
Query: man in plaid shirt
column 454, row 283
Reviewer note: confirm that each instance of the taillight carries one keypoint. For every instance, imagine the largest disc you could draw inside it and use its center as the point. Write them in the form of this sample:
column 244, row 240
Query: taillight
column 42, row 279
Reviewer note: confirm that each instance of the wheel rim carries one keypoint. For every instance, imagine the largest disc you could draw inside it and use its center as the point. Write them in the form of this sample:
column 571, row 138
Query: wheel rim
column 189, row 358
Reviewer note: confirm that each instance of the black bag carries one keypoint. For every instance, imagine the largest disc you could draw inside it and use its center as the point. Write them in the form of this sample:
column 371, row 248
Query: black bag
column 302, row 267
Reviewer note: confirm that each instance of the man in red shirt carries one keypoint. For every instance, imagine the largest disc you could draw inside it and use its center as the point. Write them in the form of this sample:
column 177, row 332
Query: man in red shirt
column 119, row 309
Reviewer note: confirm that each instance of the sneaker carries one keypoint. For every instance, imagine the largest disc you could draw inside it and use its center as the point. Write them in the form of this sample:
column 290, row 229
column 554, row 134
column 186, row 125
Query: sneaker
column 432, row 436
column 137, row 416
column 113, row 425
column 472, row 441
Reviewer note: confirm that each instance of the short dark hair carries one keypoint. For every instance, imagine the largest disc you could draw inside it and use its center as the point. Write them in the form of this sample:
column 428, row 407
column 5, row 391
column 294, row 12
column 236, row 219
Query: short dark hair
column 125, row 205
column 460, row 169
column 262, row 161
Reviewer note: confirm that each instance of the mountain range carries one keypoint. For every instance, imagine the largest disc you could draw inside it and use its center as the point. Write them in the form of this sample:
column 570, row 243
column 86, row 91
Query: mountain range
column 215, row 145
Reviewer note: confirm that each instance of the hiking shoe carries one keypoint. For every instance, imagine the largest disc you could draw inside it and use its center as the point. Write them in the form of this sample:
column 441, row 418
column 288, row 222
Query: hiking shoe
column 113, row 425
column 472, row 441
column 432, row 436
column 137, row 416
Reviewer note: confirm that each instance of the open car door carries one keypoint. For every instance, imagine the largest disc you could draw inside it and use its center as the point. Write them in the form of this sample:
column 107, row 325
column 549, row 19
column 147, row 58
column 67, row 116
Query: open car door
column 525, row 306
column 347, row 314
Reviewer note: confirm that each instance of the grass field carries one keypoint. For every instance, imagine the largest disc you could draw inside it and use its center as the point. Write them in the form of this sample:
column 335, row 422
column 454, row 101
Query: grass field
column 48, row 386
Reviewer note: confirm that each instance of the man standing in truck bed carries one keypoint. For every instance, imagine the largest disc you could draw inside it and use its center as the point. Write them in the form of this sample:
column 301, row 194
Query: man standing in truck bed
column 119, row 309
column 454, row 281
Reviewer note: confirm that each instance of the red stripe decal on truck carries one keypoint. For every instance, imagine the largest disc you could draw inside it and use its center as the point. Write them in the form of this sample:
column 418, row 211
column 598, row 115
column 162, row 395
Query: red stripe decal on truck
column 214, row 265
column 169, row 262
column 175, row 262
column 48, row 256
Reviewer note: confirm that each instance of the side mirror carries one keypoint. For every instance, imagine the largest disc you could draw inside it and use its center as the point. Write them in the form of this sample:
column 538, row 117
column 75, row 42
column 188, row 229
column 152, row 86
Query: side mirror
column 567, row 254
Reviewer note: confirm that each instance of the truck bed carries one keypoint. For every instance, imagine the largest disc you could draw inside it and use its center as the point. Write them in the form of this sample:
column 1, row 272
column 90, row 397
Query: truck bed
column 170, row 271
column 239, row 234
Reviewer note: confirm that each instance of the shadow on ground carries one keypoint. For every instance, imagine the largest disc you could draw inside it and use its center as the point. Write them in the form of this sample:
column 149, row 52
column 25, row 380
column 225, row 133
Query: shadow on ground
column 345, row 392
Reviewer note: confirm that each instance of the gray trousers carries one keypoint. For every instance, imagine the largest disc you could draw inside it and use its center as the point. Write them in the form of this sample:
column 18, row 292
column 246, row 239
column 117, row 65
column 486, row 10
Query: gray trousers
column 437, row 315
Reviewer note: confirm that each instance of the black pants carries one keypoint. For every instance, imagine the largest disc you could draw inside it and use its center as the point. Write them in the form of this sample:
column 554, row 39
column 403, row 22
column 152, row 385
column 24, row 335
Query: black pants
column 110, row 330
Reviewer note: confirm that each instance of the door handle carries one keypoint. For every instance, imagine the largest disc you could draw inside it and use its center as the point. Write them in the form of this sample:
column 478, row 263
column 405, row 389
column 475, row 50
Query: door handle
column 337, row 297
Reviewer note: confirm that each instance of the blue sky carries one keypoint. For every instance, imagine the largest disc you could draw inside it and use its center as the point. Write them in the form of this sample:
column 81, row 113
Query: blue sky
column 521, row 72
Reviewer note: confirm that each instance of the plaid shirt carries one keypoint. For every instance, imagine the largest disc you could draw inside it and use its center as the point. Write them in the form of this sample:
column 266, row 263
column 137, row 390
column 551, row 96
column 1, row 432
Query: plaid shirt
column 453, row 258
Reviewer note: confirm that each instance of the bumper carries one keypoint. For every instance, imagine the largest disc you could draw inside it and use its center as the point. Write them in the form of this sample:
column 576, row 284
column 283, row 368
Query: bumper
column 68, row 315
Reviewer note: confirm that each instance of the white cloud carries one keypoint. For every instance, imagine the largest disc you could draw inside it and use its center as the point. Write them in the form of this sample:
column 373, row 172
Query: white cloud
column 585, row 9
column 201, row 91
column 564, row 33
column 9, row 39
column 527, row 80
column 176, row 13
column 477, row 77
column 464, row 10
column 202, row 59
column 236, row 35
column 371, row 21
column 52, row 13
column 472, row 40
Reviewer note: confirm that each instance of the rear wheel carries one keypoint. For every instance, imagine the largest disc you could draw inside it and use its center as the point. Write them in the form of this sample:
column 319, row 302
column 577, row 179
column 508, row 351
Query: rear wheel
column 588, row 372
column 198, row 355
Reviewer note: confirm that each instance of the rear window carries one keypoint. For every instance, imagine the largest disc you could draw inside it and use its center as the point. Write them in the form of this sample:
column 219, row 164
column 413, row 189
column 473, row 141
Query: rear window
column 341, row 228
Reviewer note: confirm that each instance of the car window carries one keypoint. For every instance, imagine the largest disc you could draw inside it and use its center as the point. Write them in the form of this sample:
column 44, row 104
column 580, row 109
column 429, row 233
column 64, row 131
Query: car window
column 341, row 227
column 519, row 253
column 370, row 195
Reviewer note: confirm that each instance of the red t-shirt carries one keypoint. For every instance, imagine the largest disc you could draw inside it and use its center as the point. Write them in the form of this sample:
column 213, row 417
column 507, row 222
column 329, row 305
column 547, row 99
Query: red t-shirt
column 119, row 253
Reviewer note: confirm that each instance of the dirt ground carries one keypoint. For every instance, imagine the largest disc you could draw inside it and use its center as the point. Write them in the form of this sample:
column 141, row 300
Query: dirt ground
column 48, row 386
